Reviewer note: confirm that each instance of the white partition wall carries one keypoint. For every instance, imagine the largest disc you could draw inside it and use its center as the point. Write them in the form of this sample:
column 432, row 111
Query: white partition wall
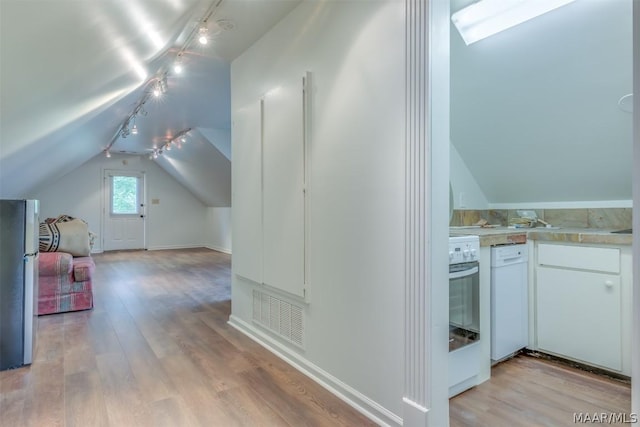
column 349, row 222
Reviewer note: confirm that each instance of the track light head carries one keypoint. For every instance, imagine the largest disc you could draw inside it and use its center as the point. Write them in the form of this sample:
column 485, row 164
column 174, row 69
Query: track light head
column 203, row 35
column 177, row 66
column 134, row 129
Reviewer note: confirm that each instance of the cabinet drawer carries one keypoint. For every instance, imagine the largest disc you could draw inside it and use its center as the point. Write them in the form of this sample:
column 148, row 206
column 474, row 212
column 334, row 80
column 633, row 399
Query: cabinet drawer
column 580, row 257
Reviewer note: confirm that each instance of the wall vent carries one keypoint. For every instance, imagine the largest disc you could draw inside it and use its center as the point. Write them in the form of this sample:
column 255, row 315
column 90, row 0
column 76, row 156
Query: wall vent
column 279, row 316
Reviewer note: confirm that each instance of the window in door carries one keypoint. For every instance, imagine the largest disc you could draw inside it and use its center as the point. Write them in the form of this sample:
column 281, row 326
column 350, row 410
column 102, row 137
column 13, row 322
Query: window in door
column 125, row 195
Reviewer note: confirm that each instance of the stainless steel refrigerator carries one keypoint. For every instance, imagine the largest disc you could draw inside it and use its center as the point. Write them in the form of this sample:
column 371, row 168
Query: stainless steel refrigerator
column 18, row 281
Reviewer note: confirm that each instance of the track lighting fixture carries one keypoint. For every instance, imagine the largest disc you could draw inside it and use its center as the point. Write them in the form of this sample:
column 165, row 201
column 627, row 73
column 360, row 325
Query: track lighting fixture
column 157, row 85
column 178, row 140
column 177, row 64
column 163, row 84
column 107, row 154
column 134, row 129
column 203, row 35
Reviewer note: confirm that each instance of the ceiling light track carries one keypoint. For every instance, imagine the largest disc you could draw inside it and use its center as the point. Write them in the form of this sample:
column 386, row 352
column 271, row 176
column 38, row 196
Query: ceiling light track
column 157, row 85
column 177, row 140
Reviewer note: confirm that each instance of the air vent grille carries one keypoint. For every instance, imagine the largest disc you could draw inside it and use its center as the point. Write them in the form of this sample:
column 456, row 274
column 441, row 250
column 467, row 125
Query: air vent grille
column 279, row 316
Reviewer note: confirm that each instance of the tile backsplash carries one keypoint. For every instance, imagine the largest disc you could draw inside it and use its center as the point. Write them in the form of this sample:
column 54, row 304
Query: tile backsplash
column 605, row 218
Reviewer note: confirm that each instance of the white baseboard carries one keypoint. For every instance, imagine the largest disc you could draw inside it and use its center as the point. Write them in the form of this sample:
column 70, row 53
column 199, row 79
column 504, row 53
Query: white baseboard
column 219, row 249
column 414, row 414
column 372, row 410
column 167, row 247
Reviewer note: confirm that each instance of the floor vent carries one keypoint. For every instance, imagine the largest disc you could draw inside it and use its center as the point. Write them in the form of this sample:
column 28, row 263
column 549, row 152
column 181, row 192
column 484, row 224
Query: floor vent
column 279, row 316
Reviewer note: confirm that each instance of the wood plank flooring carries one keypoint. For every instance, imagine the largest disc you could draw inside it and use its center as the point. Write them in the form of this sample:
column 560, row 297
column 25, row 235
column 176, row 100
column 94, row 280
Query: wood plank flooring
column 527, row 391
column 156, row 351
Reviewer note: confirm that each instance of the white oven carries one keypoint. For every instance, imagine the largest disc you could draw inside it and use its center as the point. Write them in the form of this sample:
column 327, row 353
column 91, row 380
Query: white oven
column 464, row 313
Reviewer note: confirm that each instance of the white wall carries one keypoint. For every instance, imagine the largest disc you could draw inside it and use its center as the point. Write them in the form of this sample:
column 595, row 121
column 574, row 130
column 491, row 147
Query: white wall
column 218, row 227
column 177, row 221
column 534, row 109
column 355, row 195
column 467, row 194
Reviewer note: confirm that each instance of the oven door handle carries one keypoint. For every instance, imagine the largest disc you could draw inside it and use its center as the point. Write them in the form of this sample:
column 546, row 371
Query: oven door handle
column 463, row 273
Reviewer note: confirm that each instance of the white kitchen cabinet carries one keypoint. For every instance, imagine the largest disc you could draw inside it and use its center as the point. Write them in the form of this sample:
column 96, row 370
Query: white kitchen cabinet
column 582, row 309
column 579, row 315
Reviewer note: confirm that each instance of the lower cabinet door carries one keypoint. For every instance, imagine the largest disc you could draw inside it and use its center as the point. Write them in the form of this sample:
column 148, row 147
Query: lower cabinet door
column 578, row 315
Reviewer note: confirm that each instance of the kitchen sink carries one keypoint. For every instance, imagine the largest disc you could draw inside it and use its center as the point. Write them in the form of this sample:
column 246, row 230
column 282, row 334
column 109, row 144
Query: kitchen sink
column 626, row 231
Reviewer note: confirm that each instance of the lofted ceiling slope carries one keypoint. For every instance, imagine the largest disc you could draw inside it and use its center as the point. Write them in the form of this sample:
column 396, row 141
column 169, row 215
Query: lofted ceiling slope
column 534, row 109
column 72, row 72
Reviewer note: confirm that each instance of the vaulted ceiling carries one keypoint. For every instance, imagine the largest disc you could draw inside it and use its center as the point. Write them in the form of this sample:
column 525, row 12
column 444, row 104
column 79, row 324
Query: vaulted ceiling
column 534, row 109
column 72, row 72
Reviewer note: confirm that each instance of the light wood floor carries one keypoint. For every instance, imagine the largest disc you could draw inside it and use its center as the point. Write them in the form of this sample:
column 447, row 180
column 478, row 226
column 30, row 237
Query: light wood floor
column 156, row 351
column 526, row 391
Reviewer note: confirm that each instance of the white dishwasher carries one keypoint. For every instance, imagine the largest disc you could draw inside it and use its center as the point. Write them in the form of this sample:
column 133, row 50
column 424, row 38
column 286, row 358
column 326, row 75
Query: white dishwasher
column 509, row 300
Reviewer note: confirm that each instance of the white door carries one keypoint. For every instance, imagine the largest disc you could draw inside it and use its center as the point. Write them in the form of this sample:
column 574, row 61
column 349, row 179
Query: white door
column 124, row 213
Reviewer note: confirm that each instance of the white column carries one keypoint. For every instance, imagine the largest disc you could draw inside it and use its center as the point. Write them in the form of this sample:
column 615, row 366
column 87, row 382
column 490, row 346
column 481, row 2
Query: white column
column 635, row 349
column 427, row 197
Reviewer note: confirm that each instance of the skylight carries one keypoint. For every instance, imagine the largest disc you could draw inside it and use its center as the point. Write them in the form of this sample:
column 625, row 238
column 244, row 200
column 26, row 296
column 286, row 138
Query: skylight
column 488, row 17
